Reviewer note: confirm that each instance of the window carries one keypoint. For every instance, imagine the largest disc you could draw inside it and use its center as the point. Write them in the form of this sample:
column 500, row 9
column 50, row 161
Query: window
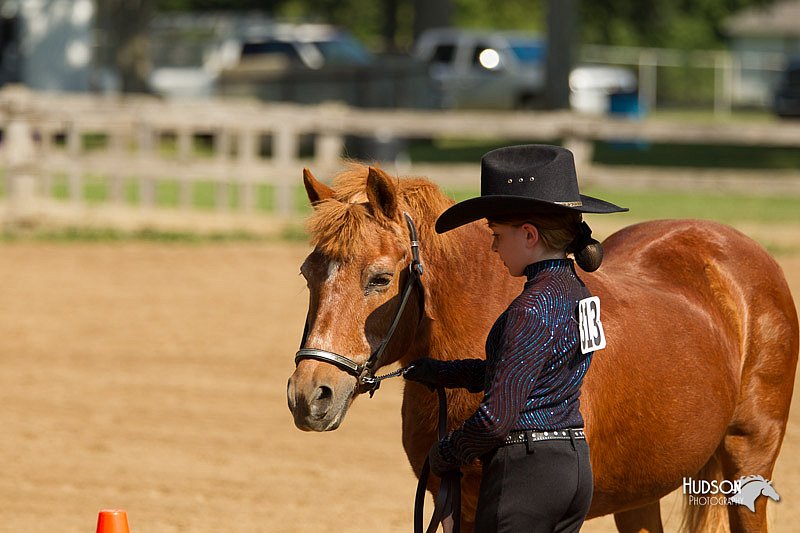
column 528, row 51
column 275, row 48
column 443, row 53
column 343, row 52
column 476, row 53
column 484, row 56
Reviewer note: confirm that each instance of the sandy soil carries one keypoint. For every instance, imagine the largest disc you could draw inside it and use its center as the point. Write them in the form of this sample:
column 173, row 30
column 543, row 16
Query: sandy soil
column 152, row 377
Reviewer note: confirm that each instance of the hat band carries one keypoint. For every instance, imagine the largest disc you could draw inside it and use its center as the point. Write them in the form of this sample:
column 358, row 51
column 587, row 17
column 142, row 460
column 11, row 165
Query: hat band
column 570, row 204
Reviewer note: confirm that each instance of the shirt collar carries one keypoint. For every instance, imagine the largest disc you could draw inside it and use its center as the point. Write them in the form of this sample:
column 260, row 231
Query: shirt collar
column 534, row 269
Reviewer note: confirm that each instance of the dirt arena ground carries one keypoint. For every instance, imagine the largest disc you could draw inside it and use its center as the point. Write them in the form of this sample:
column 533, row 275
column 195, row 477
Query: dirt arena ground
column 152, row 377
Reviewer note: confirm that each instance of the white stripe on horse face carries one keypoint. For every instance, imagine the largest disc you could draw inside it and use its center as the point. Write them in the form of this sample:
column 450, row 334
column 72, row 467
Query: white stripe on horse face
column 333, row 270
column 324, row 340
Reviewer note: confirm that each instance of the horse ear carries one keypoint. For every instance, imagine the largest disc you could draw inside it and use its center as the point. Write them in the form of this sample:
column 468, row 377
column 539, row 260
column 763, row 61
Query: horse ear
column 316, row 190
column 382, row 193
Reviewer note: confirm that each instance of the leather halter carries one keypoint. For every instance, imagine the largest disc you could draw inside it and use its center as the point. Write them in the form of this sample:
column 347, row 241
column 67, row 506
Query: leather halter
column 365, row 373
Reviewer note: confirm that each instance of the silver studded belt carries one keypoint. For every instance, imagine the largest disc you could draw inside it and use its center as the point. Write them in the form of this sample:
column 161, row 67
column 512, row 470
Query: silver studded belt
column 526, row 437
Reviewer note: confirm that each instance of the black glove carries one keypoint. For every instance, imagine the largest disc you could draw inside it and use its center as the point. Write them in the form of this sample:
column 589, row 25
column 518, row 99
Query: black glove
column 439, row 464
column 424, row 370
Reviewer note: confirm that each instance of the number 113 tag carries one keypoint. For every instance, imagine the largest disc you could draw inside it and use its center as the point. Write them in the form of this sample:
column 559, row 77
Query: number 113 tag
column 592, row 335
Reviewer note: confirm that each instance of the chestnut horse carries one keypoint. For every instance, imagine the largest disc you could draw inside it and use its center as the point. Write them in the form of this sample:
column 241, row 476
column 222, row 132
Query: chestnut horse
column 695, row 381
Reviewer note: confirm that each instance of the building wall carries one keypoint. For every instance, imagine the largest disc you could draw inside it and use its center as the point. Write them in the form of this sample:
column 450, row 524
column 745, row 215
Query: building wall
column 760, row 62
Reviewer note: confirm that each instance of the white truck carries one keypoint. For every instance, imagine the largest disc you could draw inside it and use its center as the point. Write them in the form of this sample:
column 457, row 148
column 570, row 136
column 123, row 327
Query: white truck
column 484, row 69
column 506, row 70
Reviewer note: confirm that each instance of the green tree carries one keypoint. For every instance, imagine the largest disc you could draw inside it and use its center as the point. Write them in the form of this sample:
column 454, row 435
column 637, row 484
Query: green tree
column 500, row 14
column 385, row 24
column 683, row 24
column 218, row 5
column 392, row 24
column 124, row 43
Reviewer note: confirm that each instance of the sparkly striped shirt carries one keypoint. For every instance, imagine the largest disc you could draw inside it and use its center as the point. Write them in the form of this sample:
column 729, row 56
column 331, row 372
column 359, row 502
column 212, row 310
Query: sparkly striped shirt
column 534, row 367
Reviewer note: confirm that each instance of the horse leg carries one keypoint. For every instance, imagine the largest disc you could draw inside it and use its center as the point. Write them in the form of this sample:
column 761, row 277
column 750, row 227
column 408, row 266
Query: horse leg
column 755, row 433
column 640, row 520
column 751, row 448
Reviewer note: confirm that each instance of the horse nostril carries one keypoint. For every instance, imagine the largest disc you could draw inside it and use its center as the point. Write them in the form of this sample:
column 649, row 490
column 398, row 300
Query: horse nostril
column 321, row 402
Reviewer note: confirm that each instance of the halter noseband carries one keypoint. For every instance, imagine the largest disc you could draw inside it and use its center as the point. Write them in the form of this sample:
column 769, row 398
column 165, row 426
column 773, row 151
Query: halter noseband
column 365, row 374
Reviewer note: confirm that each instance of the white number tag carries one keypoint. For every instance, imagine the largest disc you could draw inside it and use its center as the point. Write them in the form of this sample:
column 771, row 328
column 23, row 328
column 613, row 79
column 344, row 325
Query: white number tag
column 592, row 335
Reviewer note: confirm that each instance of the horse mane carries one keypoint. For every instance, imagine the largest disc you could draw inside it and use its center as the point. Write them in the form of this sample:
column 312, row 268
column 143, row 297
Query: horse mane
column 339, row 225
column 745, row 480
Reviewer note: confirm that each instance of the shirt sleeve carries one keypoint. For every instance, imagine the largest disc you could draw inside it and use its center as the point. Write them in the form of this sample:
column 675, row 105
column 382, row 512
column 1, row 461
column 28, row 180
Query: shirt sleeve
column 467, row 374
column 520, row 354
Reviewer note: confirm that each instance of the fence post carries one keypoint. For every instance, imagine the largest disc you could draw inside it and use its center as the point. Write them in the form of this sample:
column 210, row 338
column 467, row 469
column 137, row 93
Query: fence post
column 582, row 150
column 117, row 147
column 145, row 147
column 19, row 153
column 328, row 150
column 723, row 82
column 648, row 79
column 246, row 157
column 222, row 148
column 74, row 148
column 329, row 142
column 185, row 147
column 285, row 154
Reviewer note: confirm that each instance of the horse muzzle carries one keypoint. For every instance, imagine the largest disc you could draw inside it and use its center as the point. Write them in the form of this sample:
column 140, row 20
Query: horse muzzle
column 319, row 396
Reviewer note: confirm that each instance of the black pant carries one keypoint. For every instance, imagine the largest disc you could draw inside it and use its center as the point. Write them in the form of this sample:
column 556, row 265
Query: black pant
column 547, row 489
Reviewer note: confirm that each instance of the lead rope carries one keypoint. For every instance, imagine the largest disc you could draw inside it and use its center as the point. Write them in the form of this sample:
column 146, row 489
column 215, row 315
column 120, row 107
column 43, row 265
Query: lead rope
column 447, row 504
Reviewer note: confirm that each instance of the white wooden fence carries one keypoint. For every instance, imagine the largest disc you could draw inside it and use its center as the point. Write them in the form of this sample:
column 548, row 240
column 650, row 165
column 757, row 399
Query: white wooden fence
column 45, row 143
column 740, row 77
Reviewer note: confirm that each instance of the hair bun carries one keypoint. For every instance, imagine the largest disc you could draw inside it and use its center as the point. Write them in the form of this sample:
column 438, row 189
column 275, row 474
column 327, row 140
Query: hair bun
column 589, row 256
column 588, row 251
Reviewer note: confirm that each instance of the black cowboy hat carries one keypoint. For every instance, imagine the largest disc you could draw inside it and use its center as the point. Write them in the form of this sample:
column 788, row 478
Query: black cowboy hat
column 531, row 178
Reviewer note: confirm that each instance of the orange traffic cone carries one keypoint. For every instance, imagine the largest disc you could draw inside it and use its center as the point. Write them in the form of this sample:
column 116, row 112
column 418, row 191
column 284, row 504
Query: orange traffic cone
column 112, row 521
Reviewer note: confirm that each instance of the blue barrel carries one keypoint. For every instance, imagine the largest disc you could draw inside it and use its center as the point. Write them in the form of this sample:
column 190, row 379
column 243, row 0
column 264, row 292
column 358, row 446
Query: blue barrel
column 626, row 104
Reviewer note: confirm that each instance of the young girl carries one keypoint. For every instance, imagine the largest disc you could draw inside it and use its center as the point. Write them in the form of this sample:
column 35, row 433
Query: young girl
column 528, row 430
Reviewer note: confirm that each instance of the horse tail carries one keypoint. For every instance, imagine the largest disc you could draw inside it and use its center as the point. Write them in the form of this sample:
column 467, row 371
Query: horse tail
column 706, row 518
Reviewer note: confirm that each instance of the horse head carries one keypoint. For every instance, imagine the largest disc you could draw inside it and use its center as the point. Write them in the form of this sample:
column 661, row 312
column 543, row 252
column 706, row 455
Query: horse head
column 355, row 275
column 751, row 488
column 769, row 491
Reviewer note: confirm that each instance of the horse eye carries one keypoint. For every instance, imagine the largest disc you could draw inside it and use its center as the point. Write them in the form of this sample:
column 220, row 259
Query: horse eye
column 381, row 280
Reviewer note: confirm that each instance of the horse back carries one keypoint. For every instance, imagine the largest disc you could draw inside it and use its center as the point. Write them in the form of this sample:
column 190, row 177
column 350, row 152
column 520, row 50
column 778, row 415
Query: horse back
column 711, row 265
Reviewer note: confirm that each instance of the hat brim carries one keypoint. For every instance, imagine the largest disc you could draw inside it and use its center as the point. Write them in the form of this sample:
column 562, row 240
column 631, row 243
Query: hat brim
column 501, row 206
